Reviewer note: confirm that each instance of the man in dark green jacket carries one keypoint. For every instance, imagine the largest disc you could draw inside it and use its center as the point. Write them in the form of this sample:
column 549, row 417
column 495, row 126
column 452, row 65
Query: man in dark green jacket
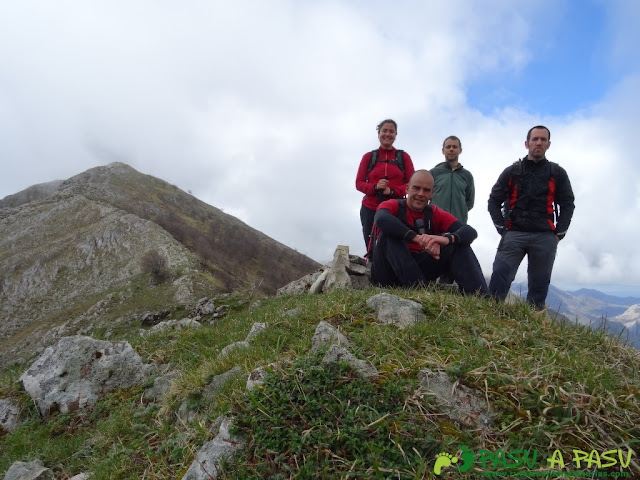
column 454, row 190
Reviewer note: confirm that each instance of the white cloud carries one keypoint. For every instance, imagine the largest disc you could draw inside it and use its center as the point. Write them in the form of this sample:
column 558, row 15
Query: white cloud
column 264, row 109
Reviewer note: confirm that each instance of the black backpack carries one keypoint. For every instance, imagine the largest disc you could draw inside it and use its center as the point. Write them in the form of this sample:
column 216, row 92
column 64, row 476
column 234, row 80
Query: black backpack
column 402, row 216
column 399, row 161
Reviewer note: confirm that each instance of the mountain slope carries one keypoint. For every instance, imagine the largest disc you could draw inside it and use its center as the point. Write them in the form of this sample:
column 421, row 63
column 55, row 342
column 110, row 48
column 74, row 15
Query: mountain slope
column 63, row 252
column 551, row 389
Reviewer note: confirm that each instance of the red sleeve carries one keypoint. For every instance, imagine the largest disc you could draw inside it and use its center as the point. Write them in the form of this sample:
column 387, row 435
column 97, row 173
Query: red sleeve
column 361, row 184
column 442, row 220
column 390, row 205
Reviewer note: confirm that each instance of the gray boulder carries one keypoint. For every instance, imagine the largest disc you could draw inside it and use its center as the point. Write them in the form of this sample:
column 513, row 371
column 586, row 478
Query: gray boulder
column 257, row 376
column 337, row 353
column 73, row 374
column 206, row 466
column 462, row 404
column 219, row 381
column 204, row 306
column 326, row 334
column 161, row 386
column 344, row 272
column 397, row 311
column 171, row 325
column 256, row 329
column 299, row 286
column 9, row 413
column 28, row 471
column 234, row 346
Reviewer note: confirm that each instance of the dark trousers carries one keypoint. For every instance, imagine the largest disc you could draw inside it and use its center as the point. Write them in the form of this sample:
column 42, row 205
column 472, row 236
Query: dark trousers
column 366, row 218
column 540, row 248
column 394, row 265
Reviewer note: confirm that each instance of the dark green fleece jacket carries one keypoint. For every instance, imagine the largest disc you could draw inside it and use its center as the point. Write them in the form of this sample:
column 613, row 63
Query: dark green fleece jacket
column 454, row 190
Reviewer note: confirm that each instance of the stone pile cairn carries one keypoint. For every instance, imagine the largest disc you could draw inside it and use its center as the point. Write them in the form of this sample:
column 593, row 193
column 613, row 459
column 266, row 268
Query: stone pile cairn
column 344, row 272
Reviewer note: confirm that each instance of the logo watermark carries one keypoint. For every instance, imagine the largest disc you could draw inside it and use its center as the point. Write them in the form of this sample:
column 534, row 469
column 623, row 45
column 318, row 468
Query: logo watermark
column 527, row 462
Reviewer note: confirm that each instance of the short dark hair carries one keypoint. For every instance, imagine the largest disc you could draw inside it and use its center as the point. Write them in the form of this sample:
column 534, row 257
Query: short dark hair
column 388, row 120
column 452, row 137
column 537, row 126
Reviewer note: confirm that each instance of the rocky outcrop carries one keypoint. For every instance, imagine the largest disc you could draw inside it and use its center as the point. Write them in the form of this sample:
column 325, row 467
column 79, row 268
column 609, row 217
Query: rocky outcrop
column 66, row 244
column 73, row 374
column 54, row 254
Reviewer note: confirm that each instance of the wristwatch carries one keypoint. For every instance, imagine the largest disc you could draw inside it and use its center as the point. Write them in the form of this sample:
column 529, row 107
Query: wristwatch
column 448, row 236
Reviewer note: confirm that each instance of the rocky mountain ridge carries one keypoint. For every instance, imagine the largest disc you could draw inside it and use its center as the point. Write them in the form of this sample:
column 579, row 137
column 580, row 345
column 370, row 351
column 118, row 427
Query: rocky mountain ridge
column 71, row 245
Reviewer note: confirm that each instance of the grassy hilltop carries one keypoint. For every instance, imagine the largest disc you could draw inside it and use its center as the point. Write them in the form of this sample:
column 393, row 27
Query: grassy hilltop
column 553, row 389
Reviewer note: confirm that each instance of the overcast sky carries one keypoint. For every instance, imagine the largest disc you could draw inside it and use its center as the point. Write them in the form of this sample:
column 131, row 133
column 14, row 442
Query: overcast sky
column 265, row 108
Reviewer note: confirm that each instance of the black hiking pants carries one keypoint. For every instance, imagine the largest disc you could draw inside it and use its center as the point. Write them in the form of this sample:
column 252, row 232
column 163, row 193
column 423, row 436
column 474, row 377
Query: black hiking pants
column 394, row 265
column 540, row 248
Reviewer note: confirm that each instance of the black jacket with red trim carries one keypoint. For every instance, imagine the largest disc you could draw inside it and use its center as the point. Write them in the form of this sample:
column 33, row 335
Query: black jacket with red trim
column 526, row 195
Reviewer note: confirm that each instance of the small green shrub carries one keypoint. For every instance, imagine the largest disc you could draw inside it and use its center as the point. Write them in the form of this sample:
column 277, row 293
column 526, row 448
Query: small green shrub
column 313, row 420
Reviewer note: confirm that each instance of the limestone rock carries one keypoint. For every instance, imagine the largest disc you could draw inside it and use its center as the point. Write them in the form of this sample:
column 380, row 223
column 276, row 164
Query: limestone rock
column 294, row 312
column 172, row 325
column 256, row 329
column 73, row 374
column 337, row 353
column 28, row 471
column 461, row 402
column 394, row 310
column 204, row 306
column 299, row 286
column 257, row 376
column 318, row 285
column 338, row 276
column 161, row 386
column 326, row 334
column 219, row 381
column 234, row 346
column 206, row 466
column 9, row 413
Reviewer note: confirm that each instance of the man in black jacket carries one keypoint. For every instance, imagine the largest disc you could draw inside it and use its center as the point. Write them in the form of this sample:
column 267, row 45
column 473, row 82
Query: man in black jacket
column 531, row 206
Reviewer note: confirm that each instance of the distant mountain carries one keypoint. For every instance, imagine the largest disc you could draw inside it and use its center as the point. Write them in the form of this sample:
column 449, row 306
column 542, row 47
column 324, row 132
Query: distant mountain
column 588, row 292
column 620, row 316
column 67, row 246
column 630, row 317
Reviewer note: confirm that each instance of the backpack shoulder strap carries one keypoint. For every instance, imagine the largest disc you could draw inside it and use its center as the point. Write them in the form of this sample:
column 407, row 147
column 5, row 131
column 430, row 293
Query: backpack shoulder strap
column 516, row 167
column 372, row 162
column 399, row 160
column 427, row 213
